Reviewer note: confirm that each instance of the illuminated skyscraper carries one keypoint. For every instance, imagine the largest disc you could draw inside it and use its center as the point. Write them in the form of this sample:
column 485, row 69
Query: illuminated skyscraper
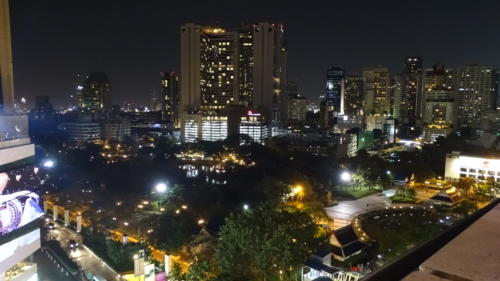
column 335, row 87
column 245, row 65
column 397, row 96
column 354, row 99
column 270, row 72
column 474, row 94
column 439, row 111
column 220, row 68
column 96, row 92
column 208, row 68
column 6, row 72
column 413, row 88
column 170, row 98
column 331, row 103
column 377, row 98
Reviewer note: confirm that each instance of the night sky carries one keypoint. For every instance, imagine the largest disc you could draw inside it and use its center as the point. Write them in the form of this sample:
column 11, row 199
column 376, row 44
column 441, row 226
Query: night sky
column 132, row 41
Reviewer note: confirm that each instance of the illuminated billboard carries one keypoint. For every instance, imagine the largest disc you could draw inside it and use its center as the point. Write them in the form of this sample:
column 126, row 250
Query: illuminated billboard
column 17, row 209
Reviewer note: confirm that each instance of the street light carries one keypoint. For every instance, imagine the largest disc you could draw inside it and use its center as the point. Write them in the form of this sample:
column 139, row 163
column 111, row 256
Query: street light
column 161, row 187
column 246, row 207
column 346, row 176
column 48, row 163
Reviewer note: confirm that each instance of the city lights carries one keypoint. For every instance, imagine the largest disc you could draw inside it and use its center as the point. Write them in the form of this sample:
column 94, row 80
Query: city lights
column 226, row 167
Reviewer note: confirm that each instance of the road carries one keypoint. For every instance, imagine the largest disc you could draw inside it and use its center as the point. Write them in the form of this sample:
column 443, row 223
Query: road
column 83, row 256
column 343, row 213
column 49, row 270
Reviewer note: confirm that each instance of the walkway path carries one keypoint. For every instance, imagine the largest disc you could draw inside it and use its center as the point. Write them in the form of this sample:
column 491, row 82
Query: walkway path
column 343, row 213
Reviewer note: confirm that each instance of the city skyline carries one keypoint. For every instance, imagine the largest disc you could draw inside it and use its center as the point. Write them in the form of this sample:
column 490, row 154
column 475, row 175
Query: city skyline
column 47, row 64
column 220, row 168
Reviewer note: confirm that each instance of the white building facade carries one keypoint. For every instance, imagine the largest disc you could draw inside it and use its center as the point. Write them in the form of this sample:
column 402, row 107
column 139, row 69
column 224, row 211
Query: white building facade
column 479, row 168
column 254, row 126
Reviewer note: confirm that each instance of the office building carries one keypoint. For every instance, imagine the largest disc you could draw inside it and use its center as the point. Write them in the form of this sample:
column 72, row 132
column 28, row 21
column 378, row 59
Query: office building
column 208, row 68
column 389, row 129
column 297, row 109
column 221, row 68
column 82, row 132
column 245, row 65
column 438, row 78
column 439, row 103
column 331, row 102
column 397, row 97
column 374, row 122
column 6, row 69
column 413, row 86
column 297, row 106
column 191, row 128
column 354, row 98
column 75, row 96
column 348, row 122
column 96, row 92
column 335, row 87
column 204, row 127
column 459, row 165
column 227, row 67
column 377, row 95
column 214, row 128
column 170, row 98
column 115, row 130
column 270, row 72
column 254, row 126
column 475, row 92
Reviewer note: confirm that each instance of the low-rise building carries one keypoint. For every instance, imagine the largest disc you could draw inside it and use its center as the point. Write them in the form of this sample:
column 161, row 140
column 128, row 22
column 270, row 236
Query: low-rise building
column 214, row 128
column 477, row 167
column 116, row 130
column 82, row 132
column 254, row 125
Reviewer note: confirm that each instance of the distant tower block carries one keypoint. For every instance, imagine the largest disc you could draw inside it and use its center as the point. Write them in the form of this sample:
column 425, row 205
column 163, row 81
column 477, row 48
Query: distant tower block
column 6, row 72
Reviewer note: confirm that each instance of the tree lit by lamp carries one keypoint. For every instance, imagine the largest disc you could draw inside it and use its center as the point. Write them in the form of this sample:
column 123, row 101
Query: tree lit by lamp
column 297, row 191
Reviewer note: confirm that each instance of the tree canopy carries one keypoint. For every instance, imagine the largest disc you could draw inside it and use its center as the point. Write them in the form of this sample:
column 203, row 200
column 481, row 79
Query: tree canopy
column 266, row 244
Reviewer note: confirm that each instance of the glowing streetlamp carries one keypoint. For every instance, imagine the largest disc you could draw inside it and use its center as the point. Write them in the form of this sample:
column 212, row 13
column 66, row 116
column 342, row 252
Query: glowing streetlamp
column 297, row 191
column 246, row 207
column 161, row 187
column 346, row 176
column 48, row 163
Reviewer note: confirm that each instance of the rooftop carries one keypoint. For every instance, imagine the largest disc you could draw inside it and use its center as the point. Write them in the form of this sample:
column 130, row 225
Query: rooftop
column 472, row 255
